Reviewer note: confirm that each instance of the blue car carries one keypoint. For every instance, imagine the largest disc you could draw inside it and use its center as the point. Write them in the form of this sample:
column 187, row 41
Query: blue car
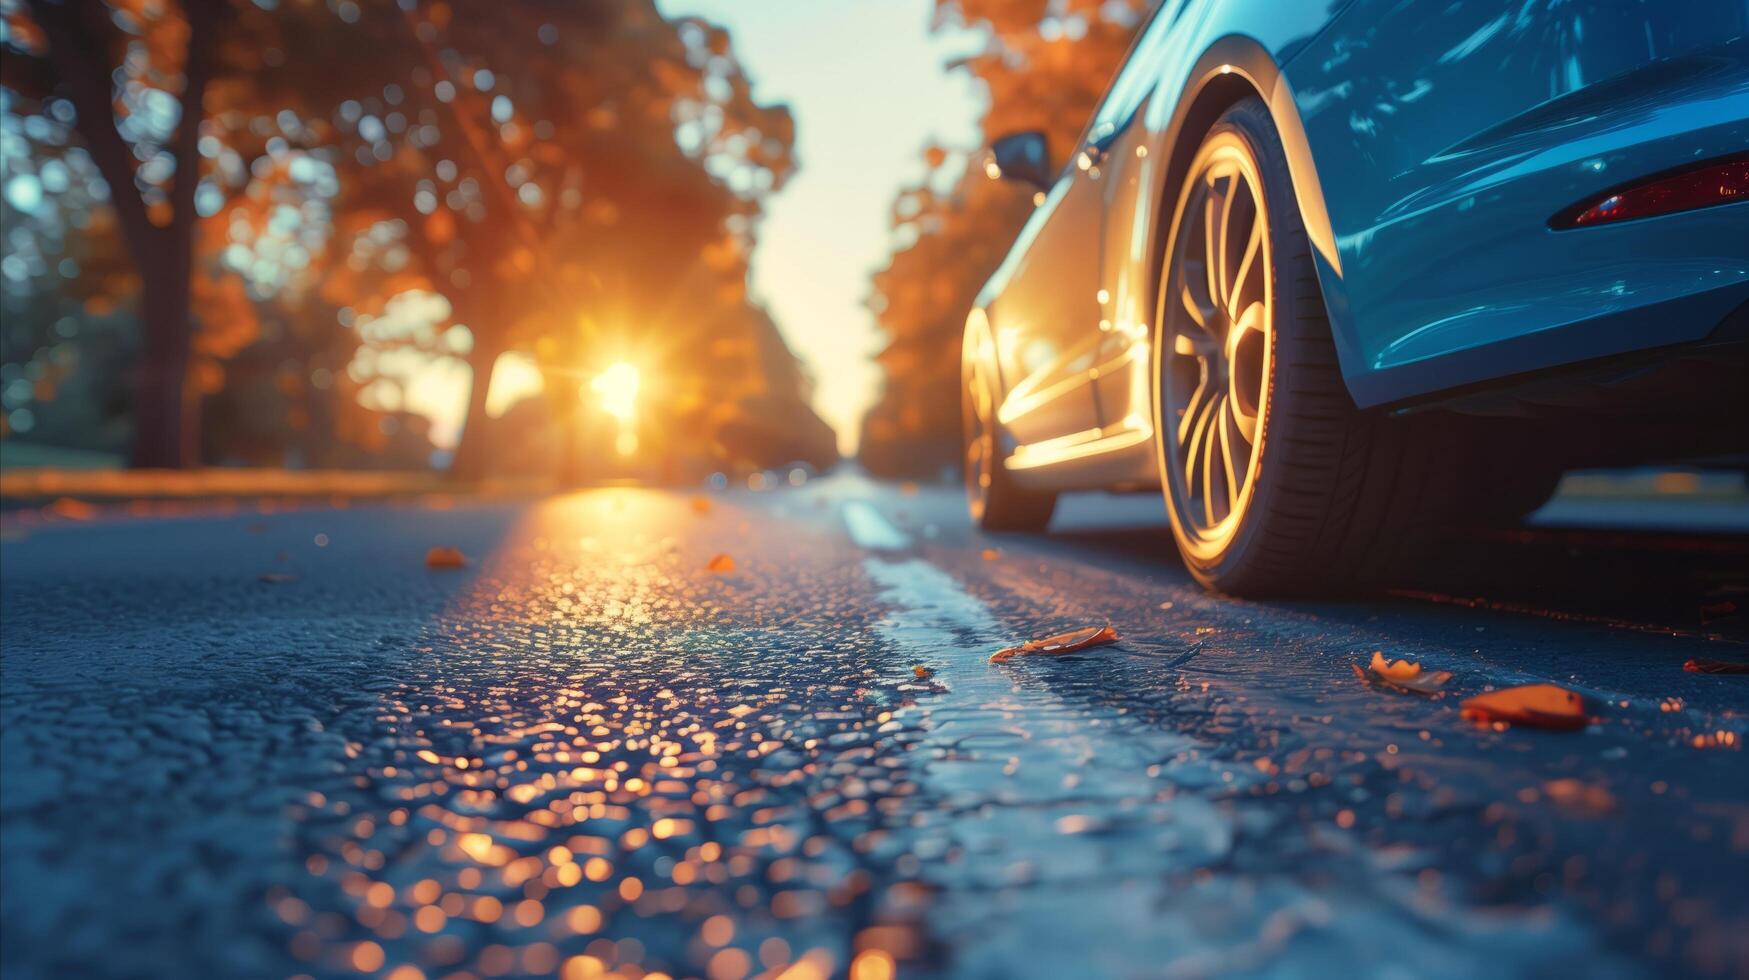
column 1330, row 273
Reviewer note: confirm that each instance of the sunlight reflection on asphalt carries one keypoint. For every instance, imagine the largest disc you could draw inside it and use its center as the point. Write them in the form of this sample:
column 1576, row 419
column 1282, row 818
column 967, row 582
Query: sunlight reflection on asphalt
column 588, row 755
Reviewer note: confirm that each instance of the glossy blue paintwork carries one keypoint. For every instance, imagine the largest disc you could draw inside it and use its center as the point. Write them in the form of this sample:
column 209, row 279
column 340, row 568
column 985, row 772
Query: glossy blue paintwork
column 1447, row 134
column 1430, row 143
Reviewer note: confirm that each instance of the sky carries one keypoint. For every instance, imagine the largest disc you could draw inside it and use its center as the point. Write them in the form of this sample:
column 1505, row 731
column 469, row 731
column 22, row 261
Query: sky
column 868, row 85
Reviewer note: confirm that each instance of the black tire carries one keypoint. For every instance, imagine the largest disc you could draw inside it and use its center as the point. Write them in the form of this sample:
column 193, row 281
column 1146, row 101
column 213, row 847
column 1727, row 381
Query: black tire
column 994, row 500
column 1339, row 496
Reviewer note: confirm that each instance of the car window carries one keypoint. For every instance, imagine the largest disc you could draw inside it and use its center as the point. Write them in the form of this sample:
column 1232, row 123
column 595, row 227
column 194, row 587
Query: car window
column 1140, row 73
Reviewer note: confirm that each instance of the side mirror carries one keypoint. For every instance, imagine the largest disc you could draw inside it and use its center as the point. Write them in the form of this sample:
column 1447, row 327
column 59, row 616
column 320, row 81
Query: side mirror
column 1024, row 157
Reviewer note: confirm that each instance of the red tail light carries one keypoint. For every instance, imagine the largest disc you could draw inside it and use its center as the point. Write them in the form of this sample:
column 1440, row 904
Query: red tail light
column 1700, row 186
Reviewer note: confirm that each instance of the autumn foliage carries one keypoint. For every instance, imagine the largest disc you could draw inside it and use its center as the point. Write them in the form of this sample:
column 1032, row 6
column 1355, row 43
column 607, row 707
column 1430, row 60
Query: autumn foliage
column 1044, row 68
column 301, row 203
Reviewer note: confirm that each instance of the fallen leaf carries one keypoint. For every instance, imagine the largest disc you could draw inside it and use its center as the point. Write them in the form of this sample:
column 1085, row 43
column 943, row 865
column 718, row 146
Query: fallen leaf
column 701, row 505
column 72, row 509
column 1402, row 674
column 1718, row 610
column 1700, row 666
column 276, row 578
column 991, row 554
column 721, row 563
column 445, row 557
column 1537, row 705
column 1576, row 794
column 923, row 673
column 1400, row 670
column 1068, row 642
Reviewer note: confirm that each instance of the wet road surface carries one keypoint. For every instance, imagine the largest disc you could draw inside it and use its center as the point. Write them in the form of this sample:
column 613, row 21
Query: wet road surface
column 278, row 744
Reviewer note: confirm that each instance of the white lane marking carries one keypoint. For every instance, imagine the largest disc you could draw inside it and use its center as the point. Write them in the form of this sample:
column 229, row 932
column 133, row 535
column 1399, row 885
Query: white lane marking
column 934, row 614
column 870, row 530
column 1040, row 785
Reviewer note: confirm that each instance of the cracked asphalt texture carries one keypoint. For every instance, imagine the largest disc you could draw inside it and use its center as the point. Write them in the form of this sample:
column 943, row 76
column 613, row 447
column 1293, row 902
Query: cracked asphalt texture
column 276, row 744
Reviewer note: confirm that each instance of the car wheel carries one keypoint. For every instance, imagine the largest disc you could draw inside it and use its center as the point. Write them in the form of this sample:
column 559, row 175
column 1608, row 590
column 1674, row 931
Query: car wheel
column 1275, row 483
column 995, row 502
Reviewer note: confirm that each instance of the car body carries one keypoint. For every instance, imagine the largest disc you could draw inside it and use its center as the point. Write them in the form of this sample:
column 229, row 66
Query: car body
column 1433, row 146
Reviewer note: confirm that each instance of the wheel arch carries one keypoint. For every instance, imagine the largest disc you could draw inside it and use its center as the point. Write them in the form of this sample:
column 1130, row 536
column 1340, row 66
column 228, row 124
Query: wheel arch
column 1233, row 68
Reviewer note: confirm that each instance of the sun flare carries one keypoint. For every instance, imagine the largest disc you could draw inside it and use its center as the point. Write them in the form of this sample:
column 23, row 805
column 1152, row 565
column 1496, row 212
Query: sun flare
column 617, row 387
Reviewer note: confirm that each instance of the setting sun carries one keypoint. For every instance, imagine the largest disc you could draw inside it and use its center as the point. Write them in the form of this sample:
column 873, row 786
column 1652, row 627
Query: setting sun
column 618, row 389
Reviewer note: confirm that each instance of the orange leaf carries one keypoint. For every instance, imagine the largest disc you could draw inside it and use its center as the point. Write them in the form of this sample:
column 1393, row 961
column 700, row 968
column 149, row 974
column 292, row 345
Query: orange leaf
column 72, row 509
column 1702, row 666
column 923, row 673
column 1401, row 670
column 445, row 557
column 991, row 554
column 1068, row 642
column 1579, row 795
column 1402, row 675
column 721, row 563
column 1537, row 705
column 701, row 505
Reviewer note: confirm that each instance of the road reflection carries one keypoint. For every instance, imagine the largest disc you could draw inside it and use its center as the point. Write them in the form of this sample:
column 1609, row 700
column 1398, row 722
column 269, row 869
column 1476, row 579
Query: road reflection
column 604, row 764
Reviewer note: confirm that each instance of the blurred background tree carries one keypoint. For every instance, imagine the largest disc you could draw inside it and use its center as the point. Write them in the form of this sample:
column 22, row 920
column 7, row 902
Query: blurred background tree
column 1044, row 66
column 274, row 221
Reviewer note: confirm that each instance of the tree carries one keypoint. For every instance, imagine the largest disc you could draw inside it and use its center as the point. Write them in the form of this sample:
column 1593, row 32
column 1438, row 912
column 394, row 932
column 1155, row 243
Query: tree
column 562, row 180
column 572, row 179
column 162, row 95
column 144, row 140
column 1044, row 66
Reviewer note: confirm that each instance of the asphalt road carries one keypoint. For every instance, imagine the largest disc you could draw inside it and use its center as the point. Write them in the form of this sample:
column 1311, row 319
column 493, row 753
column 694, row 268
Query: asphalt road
column 588, row 752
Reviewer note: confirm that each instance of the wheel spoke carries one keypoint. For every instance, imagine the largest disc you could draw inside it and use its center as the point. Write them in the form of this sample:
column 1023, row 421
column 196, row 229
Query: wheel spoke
column 1194, row 409
column 1244, row 423
column 1227, row 457
column 1251, row 318
column 1207, row 433
column 1253, row 246
column 1203, row 310
column 1198, row 430
column 1223, row 240
column 1192, row 307
column 1245, row 369
column 1214, row 205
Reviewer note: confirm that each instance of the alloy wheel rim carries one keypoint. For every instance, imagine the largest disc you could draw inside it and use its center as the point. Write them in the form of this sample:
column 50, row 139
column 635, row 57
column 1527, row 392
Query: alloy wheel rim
column 1216, row 343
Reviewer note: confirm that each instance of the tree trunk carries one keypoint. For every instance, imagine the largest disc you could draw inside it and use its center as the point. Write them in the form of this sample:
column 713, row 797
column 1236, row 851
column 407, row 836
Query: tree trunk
column 470, row 453
column 165, row 420
column 570, row 469
column 165, row 423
